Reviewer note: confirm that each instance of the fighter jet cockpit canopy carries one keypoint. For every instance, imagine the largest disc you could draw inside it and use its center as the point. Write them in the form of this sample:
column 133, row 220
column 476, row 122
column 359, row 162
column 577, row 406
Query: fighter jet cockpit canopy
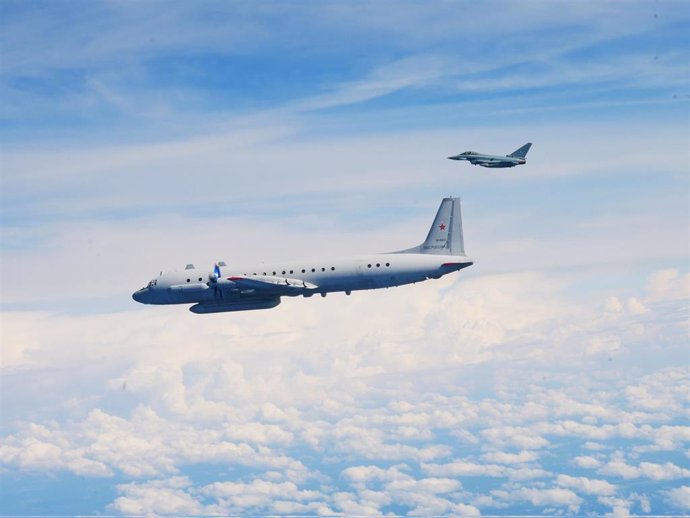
column 469, row 153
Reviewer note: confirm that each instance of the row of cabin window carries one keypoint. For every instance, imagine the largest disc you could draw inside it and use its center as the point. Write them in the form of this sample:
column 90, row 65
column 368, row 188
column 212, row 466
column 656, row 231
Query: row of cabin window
column 293, row 271
column 378, row 265
column 284, row 272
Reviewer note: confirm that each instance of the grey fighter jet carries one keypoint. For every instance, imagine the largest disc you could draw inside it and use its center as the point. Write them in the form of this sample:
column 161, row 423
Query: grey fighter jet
column 515, row 158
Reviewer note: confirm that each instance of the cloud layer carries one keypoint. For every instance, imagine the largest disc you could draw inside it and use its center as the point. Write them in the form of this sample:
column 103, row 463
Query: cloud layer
column 364, row 417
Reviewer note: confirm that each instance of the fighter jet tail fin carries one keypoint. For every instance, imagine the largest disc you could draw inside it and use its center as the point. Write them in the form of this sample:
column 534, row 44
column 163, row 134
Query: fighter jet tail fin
column 445, row 235
column 522, row 152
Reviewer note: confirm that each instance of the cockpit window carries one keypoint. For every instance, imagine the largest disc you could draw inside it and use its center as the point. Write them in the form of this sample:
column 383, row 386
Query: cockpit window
column 152, row 283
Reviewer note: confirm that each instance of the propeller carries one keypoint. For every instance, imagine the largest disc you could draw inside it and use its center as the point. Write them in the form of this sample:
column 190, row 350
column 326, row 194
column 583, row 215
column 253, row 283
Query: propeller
column 213, row 282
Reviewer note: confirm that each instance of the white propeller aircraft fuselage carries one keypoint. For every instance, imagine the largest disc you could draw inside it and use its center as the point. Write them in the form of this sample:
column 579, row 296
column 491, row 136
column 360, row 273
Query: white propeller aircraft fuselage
column 261, row 287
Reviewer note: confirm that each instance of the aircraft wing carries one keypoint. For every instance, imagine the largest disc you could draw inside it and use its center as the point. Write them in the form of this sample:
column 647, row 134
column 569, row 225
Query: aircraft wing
column 268, row 284
column 248, row 292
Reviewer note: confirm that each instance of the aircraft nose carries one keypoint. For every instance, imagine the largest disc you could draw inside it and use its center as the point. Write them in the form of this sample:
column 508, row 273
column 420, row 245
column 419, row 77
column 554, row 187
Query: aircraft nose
column 140, row 295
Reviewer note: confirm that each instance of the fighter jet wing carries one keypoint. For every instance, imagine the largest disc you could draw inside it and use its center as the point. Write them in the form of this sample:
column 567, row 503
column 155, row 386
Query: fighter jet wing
column 266, row 284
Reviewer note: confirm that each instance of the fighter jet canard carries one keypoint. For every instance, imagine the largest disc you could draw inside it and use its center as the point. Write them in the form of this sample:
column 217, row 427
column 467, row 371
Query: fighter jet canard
column 517, row 157
column 240, row 288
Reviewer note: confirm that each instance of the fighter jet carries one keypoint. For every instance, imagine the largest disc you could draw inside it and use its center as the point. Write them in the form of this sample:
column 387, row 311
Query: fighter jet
column 515, row 158
column 261, row 286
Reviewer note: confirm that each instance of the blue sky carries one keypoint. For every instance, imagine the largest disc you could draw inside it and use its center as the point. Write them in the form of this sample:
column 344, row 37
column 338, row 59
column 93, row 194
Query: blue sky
column 549, row 378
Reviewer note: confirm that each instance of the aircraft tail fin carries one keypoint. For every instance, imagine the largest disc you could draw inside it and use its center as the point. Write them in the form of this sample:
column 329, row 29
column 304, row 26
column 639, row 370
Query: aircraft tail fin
column 522, row 152
column 445, row 235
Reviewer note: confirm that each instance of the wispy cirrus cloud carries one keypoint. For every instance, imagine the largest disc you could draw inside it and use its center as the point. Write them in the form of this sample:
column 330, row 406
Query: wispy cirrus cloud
column 126, row 74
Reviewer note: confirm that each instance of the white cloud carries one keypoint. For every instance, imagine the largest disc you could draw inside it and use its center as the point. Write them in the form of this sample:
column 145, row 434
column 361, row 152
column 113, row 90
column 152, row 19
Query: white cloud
column 540, row 497
column 668, row 284
column 354, row 394
column 586, row 461
column 546, row 497
column 258, row 494
column 679, row 497
column 120, row 50
column 164, row 497
column 364, row 473
column 231, row 391
column 613, row 304
column 145, row 445
column 462, row 468
column 519, row 437
column 500, row 457
column 620, row 507
column 376, row 487
column 651, row 470
column 585, row 485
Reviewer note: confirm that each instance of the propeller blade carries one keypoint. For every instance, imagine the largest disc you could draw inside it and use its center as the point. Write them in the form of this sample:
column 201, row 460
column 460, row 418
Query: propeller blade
column 213, row 281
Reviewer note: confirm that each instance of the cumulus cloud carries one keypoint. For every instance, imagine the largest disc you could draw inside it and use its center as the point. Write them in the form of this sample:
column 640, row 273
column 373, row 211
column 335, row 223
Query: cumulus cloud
column 679, row 497
column 259, row 494
column 461, row 468
column 651, row 470
column 145, row 445
column 388, row 401
column 539, row 497
column 586, row 485
column 500, row 457
column 519, row 437
column 586, row 461
column 662, row 391
column 164, row 497
column 429, row 495
column 668, row 284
